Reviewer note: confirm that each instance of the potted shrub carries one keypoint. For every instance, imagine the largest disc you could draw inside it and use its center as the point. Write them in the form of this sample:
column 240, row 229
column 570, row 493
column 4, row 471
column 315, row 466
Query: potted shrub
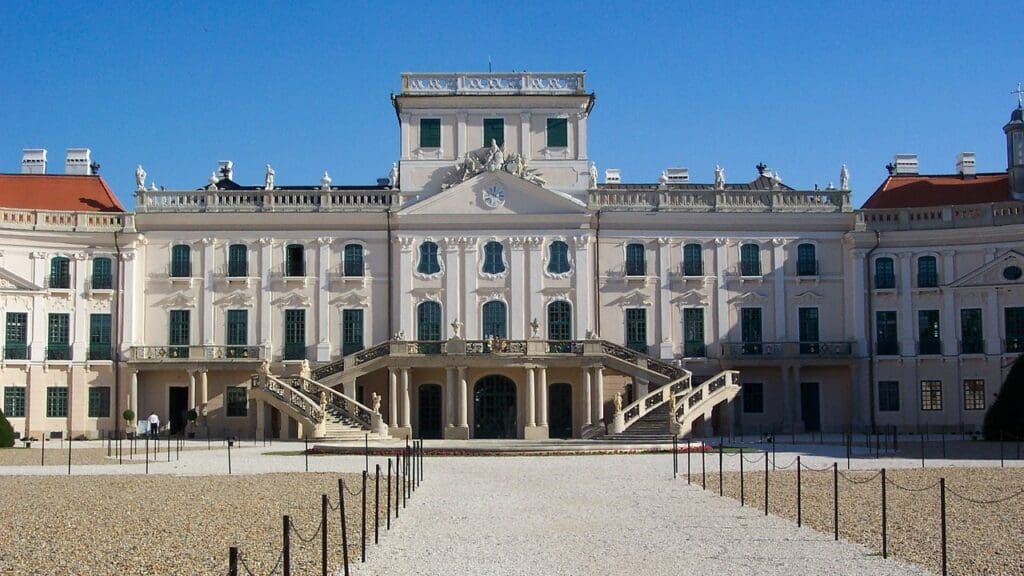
column 192, row 417
column 129, row 422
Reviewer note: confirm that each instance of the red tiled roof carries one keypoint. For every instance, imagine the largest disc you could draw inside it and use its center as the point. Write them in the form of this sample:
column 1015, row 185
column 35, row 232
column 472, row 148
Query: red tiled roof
column 57, row 192
column 911, row 191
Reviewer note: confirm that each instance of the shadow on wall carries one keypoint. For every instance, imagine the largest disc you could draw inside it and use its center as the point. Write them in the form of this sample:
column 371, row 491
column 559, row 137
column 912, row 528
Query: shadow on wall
column 1005, row 419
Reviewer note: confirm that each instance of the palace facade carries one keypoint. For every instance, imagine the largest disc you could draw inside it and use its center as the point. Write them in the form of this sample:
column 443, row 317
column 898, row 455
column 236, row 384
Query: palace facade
column 493, row 287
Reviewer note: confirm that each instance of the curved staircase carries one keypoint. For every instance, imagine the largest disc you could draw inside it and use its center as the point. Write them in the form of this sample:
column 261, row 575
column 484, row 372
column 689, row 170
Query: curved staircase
column 326, row 413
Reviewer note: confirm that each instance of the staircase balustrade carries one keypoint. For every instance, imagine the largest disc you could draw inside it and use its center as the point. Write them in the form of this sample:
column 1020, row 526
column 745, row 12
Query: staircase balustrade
column 288, row 395
column 349, row 407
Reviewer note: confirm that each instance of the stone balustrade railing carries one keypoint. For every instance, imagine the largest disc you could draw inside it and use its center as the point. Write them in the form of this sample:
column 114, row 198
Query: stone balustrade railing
column 65, row 221
column 493, row 83
column 277, row 200
column 202, row 352
column 636, row 410
column 934, row 217
column 678, row 198
column 348, row 406
column 287, row 394
column 787, row 349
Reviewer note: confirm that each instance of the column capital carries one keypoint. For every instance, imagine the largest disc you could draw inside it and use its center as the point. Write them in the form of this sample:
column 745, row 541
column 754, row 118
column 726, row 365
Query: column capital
column 324, row 240
column 266, row 241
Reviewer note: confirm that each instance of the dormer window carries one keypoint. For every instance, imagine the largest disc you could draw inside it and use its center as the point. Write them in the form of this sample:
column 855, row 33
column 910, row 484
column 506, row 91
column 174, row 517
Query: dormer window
column 494, row 129
column 60, row 272
column 430, row 133
column 428, row 259
column 558, row 132
column 494, row 262
column 295, row 260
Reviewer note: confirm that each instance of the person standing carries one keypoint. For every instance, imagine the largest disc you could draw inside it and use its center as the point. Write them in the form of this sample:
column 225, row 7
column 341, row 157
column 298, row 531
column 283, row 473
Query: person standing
column 154, row 424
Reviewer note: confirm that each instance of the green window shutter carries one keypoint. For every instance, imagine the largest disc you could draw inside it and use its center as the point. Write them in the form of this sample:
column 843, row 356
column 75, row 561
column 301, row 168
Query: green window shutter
column 57, row 402
column 559, row 320
column 99, row 402
column 180, row 327
column 294, row 334
column 636, row 329
column 430, row 133
column 493, row 261
column 58, row 337
column 494, row 129
column 1014, row 323
column 693, row 261
column 428, row 321
column 102, row 277
column 428, row 263
column 693, row 333
column 99, row 337
column 238, row 261
column 16, row 347
column 238, row 328
column 14, row 401
column 558, row 132
column 60, row 272
column 558, row 257
column 635, row 260
column 494, row 320
column 181, row 261
column 351, row 331
column 750, row 260
column 353, row 260
column 750, row 324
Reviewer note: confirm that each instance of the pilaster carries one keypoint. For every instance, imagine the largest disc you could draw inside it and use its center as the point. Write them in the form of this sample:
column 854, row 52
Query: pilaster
column 663, row 301
column 721, row 297
column 266, row 261
column 451, row 283
column 208, row 275
column 779, row 277
column 323, row 317
column 583, row 280
column 469, row 286
column 907, row 316
column 535, row 275
column 80, row 316
column 518, row 275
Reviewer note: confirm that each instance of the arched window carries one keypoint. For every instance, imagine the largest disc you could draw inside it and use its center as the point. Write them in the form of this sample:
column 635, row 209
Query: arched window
column 494, row 262
column 295, row 260
column 558, row 257
column 181, row 261
column 927, row 272
column 495, row 320
column 636, row 264
column 353, row 260
column 238, row 261
column 428, row 321
column 885, row 273
column 102, row 277
column 806, row 260
column 750, row 260
column 428, row 259
column 60, row 272
column 693, row 260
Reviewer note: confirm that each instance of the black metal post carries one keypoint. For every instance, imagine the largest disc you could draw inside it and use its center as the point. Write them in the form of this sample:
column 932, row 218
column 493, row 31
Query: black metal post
column 344, row 529
column 233, row 561
column 42, row 452
column 69, row 454
column 703, row 470
column 766, row 482
column 835, row 499
column 773, row 452
column 366, row 451
column 687, row 463
column 398, row 481
column 306, row 452
column 922, row 450
column 168, row 444
column 287, row 543
column 364, row 518
column 942, row 513
column 389, row 494
column 885, row 523
column 323, row 535
column 675, row 456
column 721, row 473
column 943, row 434
column 1002, row 460
column 742, row 499
column 147, row 454
column 229, row 457
column 799, row 500
column 376, row 508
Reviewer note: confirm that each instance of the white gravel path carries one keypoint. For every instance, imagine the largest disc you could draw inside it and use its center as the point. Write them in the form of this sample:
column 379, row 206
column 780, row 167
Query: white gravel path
column 596, row 515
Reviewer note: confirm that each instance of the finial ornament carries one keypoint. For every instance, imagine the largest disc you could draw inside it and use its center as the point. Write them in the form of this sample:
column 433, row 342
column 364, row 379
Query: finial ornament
column 1020, row 94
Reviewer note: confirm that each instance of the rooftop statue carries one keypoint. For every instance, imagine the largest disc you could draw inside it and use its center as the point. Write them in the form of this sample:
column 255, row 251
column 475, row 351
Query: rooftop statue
column 593, row 175
column 140, row 178
column 719, row 178
column 495, row 157
column 393, row 175
column 325, row 181
column 268, row 179
column 214, row 180
column 844, row 178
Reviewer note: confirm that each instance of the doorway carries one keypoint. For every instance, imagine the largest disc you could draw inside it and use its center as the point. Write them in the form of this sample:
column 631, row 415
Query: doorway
column 177, row 407
column 430, row 411
column 810, row 406
column 494, row 408
column 560, row 411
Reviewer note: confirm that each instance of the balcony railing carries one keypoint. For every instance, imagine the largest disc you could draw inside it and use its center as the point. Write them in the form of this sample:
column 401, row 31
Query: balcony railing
column 16, row 352
column 929, row 347
column 58, row 352
column 972, row 346
column 1014, row 345
column 278, row 200
column 295, row 351
column 101, row 352
column 694, row 198
column 695, row 350
column 887, row 348
column 184, row 353
column 64, row 221
column 788, row 349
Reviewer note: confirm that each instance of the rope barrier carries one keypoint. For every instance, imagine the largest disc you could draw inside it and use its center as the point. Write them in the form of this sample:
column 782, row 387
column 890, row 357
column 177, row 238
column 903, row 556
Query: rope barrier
column 356, row 493
column 758, row 459
column 906, row 489
column 855, row 481
column 976, row 501
column 241, row 560
column 806, row 467
column 319, row 527
column 332, row 506
column 790, row 465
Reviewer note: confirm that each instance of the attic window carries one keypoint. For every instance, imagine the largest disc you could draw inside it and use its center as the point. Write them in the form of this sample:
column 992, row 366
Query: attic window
column 1012, row 273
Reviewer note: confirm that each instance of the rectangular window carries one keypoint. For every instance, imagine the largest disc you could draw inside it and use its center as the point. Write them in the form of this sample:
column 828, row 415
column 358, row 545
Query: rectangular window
column 99, row 402
column 236, row 402
column 753, row 398
column 750, row 260
column 693, row 262
column 885, row 274
column 60, row 272
column 693, row 333
column 806, row 260
column 1014, row 320
column 886, row 340
column 636, row 264
column 974, row 394
column 353, row 264
column 750, row 330
column 558, row 132
column 238, row 261
column 180, row 330
column 931, row 395
column 57, row 402
column 294, row 334
column 237, row 333
column 494, row 129
column 888, row 396
column 972, row 340
column 57, row 337
column 636, row 329
column 430, row 132
column 17, row 336
column 808, row 326
column 295, row 261
column 927, row 272
column 99, row 337
column 181, row 261
column 102, row 277
column 14, row 401
column 928, row 332
column 351, row 331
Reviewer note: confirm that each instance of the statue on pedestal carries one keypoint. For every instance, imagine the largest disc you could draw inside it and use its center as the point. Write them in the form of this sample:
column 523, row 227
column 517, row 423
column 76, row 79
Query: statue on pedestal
column 456, row 328
column 617, row 401
column 393, row 175
column 325, row 181
column 671, row 407
column 844, row 178
column 140, row 178
column 375, row 402
column 534, row 328
column 593, row 175
column 268, row 178
column 719, row 178
column 304, row 370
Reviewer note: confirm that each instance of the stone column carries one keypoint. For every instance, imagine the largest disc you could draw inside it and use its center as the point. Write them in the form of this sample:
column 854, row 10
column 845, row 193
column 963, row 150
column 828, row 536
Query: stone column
column 204, row 391
column 542, row 393
column 449, row 392
column 405, row 398
column 469, row 275
column 588, row 409
column 392, row 397
column 451, row 285
column 323, row 317
column 598, row 394
column 134, row 400
column 664, row 297
column 463, row 398
column 531, row 399
column 191, row 390
column 519, row 277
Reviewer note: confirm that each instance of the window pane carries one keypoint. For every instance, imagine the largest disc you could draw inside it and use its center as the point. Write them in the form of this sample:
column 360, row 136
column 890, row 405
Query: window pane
column 808, row 327
column 294, row 334
column 236, row 401
column 99, row 337
column 635, row 260
column 494, row 320
column 295, row 260
column 1014, row 324
column 885, row 333
column 58, row 329
column 353, row 260
column 888, row 396
column 102, row 278
column 927, row 272
column 17, row 336
column 60, row 272
column 430, row 133
column 931, row 395
column 181, row 261
column 559, row 320
column 753, row 397
column 57, row 402
column 806, row 260
column 750, row 260
column 180, row 327
column 14, row 401
column 693, row 333
column 99, row 402
column 558, row 257
column 238, row 261
column 974, row 394
column 636, row 329
column 351, row 331
column 972, row 340
column 428, row 259
column 238, row 328
column 928, row 332
column 428, row 321
column 558, row 132
column 493, row 261
column 494, row 129
column 885, row 275
column 693, row 264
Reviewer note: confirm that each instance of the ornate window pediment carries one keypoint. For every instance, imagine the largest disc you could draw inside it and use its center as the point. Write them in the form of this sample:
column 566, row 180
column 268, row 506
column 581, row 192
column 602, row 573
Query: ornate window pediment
column 633, row 299
column 808, row 297
column 749, row 298
column 691, row 298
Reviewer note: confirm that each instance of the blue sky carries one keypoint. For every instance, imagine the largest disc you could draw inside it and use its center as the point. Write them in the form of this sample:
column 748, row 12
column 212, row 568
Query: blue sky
column 801, row 86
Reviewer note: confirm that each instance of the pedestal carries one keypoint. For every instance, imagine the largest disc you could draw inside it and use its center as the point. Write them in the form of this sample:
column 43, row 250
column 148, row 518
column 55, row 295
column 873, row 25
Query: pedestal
column 400, row 432
column 618, row 424
column 456, row 433
column 535, row 433
column 377, row 425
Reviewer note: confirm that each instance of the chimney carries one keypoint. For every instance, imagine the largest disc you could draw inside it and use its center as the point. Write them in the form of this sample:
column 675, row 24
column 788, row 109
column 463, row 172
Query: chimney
column 226, row 169
column 677, row 175
column 965, row 165
column 906, row 164
column 612, row 176
column 78, row 162
column 33, row 161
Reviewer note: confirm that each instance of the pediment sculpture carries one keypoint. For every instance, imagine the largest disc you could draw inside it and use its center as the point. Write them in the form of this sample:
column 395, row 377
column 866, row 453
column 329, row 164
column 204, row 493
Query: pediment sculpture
column 492, row 159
